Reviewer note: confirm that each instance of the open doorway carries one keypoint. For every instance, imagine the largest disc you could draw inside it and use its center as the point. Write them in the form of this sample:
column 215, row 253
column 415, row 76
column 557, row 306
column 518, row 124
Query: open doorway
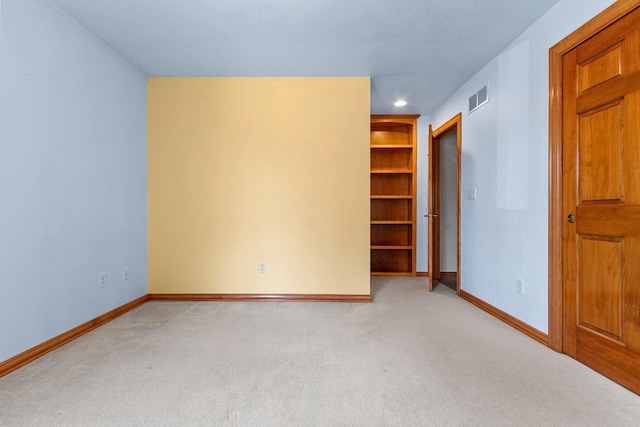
column 444, row 204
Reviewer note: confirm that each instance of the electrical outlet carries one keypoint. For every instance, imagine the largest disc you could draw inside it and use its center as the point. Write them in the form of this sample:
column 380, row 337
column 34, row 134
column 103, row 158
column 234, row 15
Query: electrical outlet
column 102, row 280
column 520, row 286
column 125, row 274
column 472, row 194
column 262, row 267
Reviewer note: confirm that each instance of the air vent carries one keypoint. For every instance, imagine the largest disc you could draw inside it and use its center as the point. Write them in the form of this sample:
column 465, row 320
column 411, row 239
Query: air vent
column 478, row 99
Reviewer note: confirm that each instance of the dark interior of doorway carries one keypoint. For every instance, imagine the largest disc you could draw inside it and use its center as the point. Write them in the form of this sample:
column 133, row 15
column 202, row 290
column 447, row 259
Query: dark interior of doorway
column 450, row 282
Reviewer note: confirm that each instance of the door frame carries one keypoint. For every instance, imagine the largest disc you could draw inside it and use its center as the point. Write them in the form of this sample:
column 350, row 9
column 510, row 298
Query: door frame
column 607, row 17
column 453, row 124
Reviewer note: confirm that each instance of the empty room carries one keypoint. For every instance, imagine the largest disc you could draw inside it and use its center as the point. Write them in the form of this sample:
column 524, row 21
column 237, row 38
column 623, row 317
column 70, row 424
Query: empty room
column 319, row 212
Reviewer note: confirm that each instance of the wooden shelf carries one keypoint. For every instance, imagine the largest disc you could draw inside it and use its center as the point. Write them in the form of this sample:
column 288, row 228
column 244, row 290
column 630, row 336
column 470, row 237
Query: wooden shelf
column 392, row 147
column 390, row 248
column 392, row 260
column 391, row 274
column 390, row 197
column 393, row 194
column 392, row 171
column 392, row 209
column 391, row 222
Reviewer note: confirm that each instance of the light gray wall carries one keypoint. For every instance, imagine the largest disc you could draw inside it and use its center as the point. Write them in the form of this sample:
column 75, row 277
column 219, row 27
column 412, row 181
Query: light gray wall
column 422, row 238
column 449, row 203
column 72, row 176
column 505, row 155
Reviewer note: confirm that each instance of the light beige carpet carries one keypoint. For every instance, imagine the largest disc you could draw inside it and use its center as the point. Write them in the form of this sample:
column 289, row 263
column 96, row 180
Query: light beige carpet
column 411, row 358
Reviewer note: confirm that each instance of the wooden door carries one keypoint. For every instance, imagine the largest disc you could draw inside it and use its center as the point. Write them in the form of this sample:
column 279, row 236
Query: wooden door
column 433, row 196
column 601, row 202
column 434, row 208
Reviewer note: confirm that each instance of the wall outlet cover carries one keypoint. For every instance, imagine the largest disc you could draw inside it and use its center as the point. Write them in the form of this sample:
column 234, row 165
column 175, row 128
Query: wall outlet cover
column 472, row 194
column 103, row 279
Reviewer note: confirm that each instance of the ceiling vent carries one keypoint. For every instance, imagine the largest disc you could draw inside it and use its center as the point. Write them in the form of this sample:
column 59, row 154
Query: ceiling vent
column 478, row 99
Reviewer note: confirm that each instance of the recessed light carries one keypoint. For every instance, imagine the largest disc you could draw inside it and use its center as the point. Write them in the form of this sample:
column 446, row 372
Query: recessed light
column 400, row 103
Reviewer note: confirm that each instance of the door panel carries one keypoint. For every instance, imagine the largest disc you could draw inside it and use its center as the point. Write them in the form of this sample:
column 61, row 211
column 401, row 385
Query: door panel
column 601, row 186
column 435, row 137
column 600, row 167
column 434, row 209
column 601, row 68
column 600, row 288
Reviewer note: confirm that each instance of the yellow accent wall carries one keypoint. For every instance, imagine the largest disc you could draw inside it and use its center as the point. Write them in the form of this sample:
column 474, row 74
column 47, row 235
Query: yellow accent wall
column 249, row 170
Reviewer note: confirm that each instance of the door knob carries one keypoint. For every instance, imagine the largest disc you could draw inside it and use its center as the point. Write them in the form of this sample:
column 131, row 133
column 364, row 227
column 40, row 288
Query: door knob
column 431, row 216
column 571, row 218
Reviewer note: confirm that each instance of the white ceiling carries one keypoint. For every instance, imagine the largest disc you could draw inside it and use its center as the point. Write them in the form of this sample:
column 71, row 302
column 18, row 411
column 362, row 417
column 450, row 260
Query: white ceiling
column 420, row 50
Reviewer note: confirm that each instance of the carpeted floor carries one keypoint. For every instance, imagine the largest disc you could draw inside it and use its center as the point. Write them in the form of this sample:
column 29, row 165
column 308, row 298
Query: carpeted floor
column 411, row 358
